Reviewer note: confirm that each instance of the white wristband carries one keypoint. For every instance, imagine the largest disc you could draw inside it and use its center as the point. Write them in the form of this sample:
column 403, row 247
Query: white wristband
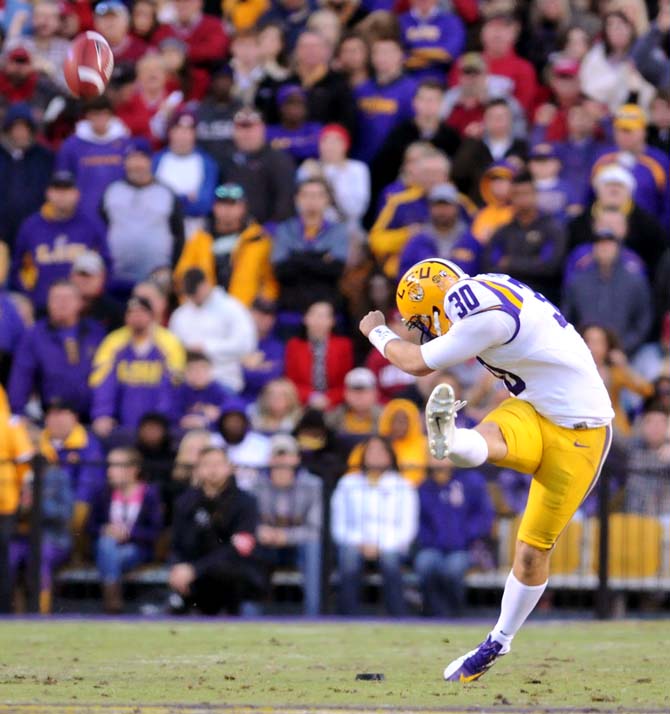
column 380, row 336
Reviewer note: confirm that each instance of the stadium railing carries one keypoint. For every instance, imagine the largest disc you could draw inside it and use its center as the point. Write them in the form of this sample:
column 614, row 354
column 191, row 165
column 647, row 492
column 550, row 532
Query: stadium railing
column 606, row 554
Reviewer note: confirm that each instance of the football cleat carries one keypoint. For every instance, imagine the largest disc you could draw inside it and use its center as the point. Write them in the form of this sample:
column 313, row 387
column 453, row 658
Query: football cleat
column 474, row 664
column 441, row 412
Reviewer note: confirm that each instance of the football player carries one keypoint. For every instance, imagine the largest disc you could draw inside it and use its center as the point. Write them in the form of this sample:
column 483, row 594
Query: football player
column 555, row 425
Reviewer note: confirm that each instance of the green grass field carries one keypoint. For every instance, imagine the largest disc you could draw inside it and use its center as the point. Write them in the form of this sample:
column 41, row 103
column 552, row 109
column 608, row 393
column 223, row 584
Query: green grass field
column 590, row 666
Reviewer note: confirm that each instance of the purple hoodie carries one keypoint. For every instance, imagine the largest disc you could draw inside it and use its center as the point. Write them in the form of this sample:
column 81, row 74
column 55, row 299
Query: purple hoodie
column 96, row 161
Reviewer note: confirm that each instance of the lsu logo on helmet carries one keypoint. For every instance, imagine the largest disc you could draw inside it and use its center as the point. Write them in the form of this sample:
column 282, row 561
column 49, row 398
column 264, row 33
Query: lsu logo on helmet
column 420, row 296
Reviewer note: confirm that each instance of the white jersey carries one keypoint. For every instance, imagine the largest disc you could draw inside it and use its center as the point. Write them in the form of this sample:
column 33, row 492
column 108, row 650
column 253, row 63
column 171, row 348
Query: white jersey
column 541, row 357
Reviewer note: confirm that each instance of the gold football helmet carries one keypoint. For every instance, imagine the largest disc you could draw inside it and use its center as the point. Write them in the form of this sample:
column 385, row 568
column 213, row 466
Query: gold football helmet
column 420, row 296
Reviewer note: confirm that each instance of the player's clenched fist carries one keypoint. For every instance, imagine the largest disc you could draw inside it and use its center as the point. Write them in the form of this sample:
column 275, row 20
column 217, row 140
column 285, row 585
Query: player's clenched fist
column 371, row 320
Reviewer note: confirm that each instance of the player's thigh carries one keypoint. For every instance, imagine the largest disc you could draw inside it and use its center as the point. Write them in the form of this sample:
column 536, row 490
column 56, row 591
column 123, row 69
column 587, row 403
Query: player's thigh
column 519, row 425
column 570, row 466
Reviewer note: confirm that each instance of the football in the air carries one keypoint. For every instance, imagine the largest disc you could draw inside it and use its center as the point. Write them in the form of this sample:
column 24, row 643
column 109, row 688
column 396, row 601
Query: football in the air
column 89, row 65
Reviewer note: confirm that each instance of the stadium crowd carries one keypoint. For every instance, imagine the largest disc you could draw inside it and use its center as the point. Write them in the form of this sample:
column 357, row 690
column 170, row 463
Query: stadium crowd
column 184, row 262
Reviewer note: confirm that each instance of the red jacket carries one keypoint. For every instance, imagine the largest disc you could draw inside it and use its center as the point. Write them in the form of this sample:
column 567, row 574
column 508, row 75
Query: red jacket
column 18, row 92
column 206, row 40
column 130, row 50
column 339, row 360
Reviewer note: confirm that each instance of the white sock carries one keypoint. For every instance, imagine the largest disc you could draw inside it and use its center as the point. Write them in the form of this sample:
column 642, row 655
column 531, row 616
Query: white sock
column 469, row 448
column 518, row 601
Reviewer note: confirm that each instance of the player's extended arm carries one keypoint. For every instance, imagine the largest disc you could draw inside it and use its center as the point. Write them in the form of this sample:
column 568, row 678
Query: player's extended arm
column 464, row 340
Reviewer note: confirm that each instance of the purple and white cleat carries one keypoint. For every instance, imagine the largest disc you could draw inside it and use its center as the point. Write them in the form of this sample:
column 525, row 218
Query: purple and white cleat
column 474, row 664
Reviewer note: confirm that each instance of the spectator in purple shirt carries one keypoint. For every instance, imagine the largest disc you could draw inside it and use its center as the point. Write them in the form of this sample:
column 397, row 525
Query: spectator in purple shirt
column 267, row 362
column 384, row 101
column 125, row 523
column 455, row 512
column 199, row 398
column 49, row 242
column 94, row 153
column 294, row 134
column 54, row 356
column 432, row 38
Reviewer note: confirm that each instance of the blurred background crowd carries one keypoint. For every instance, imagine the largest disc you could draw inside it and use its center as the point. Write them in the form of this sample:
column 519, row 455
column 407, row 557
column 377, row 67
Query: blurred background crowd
column 184, row 262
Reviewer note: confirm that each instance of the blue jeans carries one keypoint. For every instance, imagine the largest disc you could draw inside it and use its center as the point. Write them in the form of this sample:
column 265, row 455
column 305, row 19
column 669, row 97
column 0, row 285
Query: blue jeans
column 113, row 559
column 442, row 580
column 350, row 566
column 307, row 558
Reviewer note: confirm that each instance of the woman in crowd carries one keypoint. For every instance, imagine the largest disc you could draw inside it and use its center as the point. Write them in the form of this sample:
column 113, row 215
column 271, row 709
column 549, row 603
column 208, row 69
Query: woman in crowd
column 374, row 516
column 125, row 523
column 277, row 408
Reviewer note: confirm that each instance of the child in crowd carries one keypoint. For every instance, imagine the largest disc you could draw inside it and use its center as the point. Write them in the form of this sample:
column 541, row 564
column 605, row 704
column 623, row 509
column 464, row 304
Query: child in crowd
column 200, row 398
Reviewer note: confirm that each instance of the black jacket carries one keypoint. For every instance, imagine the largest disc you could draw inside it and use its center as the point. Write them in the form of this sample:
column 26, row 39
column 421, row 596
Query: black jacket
column 24, row 177
column 388, row 161
column 267, row 178
column 472, row 160
column 328, row 100
column 535, row 254
column 203, row 528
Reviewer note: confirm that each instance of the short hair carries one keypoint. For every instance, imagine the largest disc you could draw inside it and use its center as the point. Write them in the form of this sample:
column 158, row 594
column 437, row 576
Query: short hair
column 433, row 84
column 663, row 95
column 522, row 177
column 63, row 283
column 132, row 454
column 497, row 102
column 317, row 180
column 654, row 405
column 196, row 356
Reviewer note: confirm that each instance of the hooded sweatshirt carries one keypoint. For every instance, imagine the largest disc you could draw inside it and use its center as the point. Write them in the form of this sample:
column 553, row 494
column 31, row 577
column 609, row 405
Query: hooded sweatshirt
column 495, row 213
column 411, row 451
column 96, row 161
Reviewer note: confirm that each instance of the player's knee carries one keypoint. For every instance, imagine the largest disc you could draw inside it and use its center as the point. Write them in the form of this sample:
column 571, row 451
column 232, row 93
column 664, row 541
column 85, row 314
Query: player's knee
column 530, row 560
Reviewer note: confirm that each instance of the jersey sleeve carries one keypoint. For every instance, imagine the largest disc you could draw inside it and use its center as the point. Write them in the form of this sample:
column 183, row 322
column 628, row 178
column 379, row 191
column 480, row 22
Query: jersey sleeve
column 470, row 297
column 468, row 338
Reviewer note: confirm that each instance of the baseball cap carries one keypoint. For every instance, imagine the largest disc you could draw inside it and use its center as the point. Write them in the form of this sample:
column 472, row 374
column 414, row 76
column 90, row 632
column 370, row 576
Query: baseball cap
column 137, row 301
column 289, row 91
column 18, row 112
column 19, row 54
column 338, row 130
column 109, row 7
column 614, row 173
column 229, row 192
column 360, row 378
column 184, row 118
column 283, row 444
column 88, row 263
column 472, row 62
column 564, row 66
column 247, row 117
column 62, row 179
column 631, row 117
column 543, row 151
column 443, row 193
column 139, row 145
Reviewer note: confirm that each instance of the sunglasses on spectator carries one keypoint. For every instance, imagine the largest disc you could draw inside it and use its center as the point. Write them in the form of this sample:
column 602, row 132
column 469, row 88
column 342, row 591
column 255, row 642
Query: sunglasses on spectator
column 229, row 193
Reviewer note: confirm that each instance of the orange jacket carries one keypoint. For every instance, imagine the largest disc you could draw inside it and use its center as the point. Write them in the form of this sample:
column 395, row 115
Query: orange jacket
column 252, row 274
